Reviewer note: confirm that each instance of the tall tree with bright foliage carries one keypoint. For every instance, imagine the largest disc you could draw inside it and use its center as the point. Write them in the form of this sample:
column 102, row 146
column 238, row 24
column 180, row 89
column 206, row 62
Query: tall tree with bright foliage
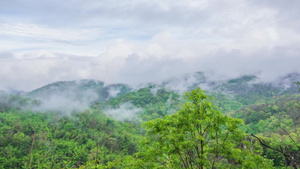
column 197, row 136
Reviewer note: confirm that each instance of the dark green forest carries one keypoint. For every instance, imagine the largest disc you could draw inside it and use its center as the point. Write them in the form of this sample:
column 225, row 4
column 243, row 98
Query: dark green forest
column 252, row 126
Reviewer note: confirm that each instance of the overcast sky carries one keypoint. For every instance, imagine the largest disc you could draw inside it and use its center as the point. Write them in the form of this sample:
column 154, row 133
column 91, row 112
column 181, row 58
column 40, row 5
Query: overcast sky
column 139, row 41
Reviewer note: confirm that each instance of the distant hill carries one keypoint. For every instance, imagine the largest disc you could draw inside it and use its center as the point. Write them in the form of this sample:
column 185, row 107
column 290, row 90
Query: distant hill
column 239, row 87
column 230, row 95
column 80, row 88
column 65, row 88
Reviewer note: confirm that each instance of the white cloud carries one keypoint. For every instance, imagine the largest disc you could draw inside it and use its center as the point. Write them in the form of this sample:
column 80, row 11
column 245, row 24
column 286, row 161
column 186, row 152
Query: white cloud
column 126, row 111
column 42, row 32
column 143, row 41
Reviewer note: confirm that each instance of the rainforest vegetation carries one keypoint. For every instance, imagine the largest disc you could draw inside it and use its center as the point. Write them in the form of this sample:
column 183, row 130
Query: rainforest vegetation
column 258, row 127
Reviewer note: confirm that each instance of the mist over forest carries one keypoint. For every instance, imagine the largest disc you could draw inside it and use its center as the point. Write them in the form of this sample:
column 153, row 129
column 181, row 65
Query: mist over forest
column 149, row 84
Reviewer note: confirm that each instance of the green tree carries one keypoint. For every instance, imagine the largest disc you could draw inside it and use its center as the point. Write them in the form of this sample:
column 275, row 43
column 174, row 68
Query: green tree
column 298, row 85
column 286, row 144
column 197, row 136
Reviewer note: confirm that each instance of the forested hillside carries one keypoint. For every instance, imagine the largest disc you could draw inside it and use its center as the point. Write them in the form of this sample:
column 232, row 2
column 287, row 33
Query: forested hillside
column 89, row 124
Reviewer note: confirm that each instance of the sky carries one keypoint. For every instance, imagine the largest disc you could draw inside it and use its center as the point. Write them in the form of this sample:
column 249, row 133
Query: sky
column 141, row 41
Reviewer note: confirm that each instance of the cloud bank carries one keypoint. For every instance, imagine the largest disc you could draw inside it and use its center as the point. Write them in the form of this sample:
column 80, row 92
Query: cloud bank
column 145, row 41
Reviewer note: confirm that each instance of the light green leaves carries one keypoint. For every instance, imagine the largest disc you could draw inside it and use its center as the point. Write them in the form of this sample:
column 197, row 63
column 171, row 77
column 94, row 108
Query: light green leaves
column 197, row 136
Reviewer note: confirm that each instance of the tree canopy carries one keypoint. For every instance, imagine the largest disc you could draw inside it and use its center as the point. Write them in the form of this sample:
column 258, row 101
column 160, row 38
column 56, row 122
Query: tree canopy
column 197, row 136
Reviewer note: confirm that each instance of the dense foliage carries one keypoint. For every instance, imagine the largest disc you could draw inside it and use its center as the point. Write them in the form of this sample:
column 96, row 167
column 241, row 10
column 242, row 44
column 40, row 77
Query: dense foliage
column 197, row 136
column 94, row 139
column 278, row 124
column 31, row 140
column 156, row 103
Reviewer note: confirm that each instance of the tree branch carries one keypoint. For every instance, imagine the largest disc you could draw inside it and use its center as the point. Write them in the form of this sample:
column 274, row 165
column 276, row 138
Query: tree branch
column 290, row 137
column 262, row 143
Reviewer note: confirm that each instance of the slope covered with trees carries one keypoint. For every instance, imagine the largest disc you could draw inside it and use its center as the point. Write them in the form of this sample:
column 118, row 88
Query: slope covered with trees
column 276, row 126
column 31, row 140
column 94, row 137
